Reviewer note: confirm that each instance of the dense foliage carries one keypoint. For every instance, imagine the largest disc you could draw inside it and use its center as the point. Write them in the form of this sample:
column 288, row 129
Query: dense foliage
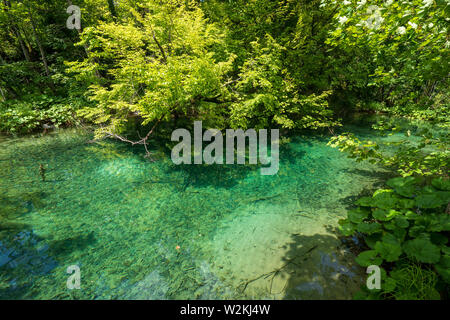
column 288, row 64
column 405, row 227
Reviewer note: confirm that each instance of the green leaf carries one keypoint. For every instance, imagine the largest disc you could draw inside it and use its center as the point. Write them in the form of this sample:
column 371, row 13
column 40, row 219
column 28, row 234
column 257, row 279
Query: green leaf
column 365, row 202
column 368, row 258
column 405, row 203
column 443, row 268
column 429, row 201
column 446, row 250
column 372, row 239
column 380, row 214
column 357, row 215
column 438, row 222
column 441, row 184
column 403, row 186
column 368, row 228
column 389, row 285
column 384, row 199
column 401, row 222
column 416, row 231
column 346, row 227
column 423, row 250
column 400, row 233
column 444, row 195
column 389, row 248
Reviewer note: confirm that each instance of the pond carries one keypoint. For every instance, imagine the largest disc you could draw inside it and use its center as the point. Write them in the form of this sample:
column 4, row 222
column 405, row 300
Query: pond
column 141, row 229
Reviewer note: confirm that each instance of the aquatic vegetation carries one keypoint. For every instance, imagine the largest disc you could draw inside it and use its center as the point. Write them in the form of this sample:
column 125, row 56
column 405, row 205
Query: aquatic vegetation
column 408, row 223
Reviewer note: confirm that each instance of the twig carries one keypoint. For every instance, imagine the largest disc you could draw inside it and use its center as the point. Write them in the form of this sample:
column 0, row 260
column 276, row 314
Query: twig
column 276, row 271
column 141, row 141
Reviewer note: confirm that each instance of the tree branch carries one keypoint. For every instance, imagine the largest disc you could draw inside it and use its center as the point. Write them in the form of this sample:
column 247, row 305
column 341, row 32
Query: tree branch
column 141, row 141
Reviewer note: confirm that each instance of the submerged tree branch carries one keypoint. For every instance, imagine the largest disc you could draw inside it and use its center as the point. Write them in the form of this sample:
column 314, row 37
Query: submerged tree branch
column 142, row 141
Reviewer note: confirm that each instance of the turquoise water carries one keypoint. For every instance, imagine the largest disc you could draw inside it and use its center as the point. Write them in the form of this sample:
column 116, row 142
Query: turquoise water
column 141, row 229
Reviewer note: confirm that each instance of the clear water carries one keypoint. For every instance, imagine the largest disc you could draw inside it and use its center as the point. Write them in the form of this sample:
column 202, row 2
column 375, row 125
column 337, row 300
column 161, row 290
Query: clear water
column 152, row 230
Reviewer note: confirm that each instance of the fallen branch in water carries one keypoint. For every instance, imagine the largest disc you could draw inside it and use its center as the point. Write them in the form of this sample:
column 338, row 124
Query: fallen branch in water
column 265, row 198
column 275, row 272
column 142, row 141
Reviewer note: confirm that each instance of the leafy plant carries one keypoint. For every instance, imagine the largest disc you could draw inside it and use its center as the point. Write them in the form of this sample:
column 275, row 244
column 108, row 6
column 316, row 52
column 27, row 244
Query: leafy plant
column 421, row 154
column 398, row 225
column 20, row 117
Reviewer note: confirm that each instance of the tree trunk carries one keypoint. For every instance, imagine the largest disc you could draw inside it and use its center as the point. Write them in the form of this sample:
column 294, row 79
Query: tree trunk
column 25, row 52
column 41, row 50
column 86, row 49
column 2, row 93
column 38, row 42
column 16, row 32
column 112, row 8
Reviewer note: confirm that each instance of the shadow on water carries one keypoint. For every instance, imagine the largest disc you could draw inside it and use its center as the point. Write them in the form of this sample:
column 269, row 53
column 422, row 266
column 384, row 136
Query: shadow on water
column 376, row 174
column 199, row 176
column 290, row 155
column 66, row 246
column 23, row 257
column 22, row 203
column 226, row 176
column 318, row 267
column 26, row 257
column 349, row 201
column 379, row 177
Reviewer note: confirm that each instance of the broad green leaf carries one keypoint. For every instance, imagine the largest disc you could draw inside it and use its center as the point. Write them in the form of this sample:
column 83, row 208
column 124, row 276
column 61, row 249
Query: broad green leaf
column 380, row 214
column 416, row 231
column 357, row 215
column 405, row 203
column 403, row 186
column 401, row 222
column 368, row 228
column 423, row 250
column 389, row 285
column 438, row 222
column 429, row 201
column 385, row 199
column 441, row 183
column 347, row 228
column 372, row 239
column 365, row 202
column 389, row 248
column 443, row 268
column 368, row 258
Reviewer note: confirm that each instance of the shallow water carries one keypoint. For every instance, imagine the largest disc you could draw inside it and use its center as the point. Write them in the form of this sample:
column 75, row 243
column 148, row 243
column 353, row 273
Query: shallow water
column 152, row 230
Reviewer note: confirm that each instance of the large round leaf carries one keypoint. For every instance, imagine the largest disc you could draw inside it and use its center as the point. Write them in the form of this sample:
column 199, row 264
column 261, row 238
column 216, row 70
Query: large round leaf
column 443, row 268
column 368, row 258
column 404, row 186
column 430, row 201
column 357, row 215
column 441, row 184
column 389, row 248
column 368, row 228
column 423, row 250
column 384, row 199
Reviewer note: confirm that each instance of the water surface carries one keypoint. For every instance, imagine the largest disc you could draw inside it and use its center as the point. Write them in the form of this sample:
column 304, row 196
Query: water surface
column 152, row 230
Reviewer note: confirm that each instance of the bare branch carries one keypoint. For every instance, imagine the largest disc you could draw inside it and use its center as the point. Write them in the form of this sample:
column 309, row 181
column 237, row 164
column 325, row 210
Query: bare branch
column 141, row 141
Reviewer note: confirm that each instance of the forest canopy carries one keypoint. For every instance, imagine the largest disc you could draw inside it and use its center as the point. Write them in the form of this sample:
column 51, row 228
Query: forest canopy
column 286, row 64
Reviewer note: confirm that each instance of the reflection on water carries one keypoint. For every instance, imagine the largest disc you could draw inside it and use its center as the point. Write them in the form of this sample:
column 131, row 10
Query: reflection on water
column 153, row 230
